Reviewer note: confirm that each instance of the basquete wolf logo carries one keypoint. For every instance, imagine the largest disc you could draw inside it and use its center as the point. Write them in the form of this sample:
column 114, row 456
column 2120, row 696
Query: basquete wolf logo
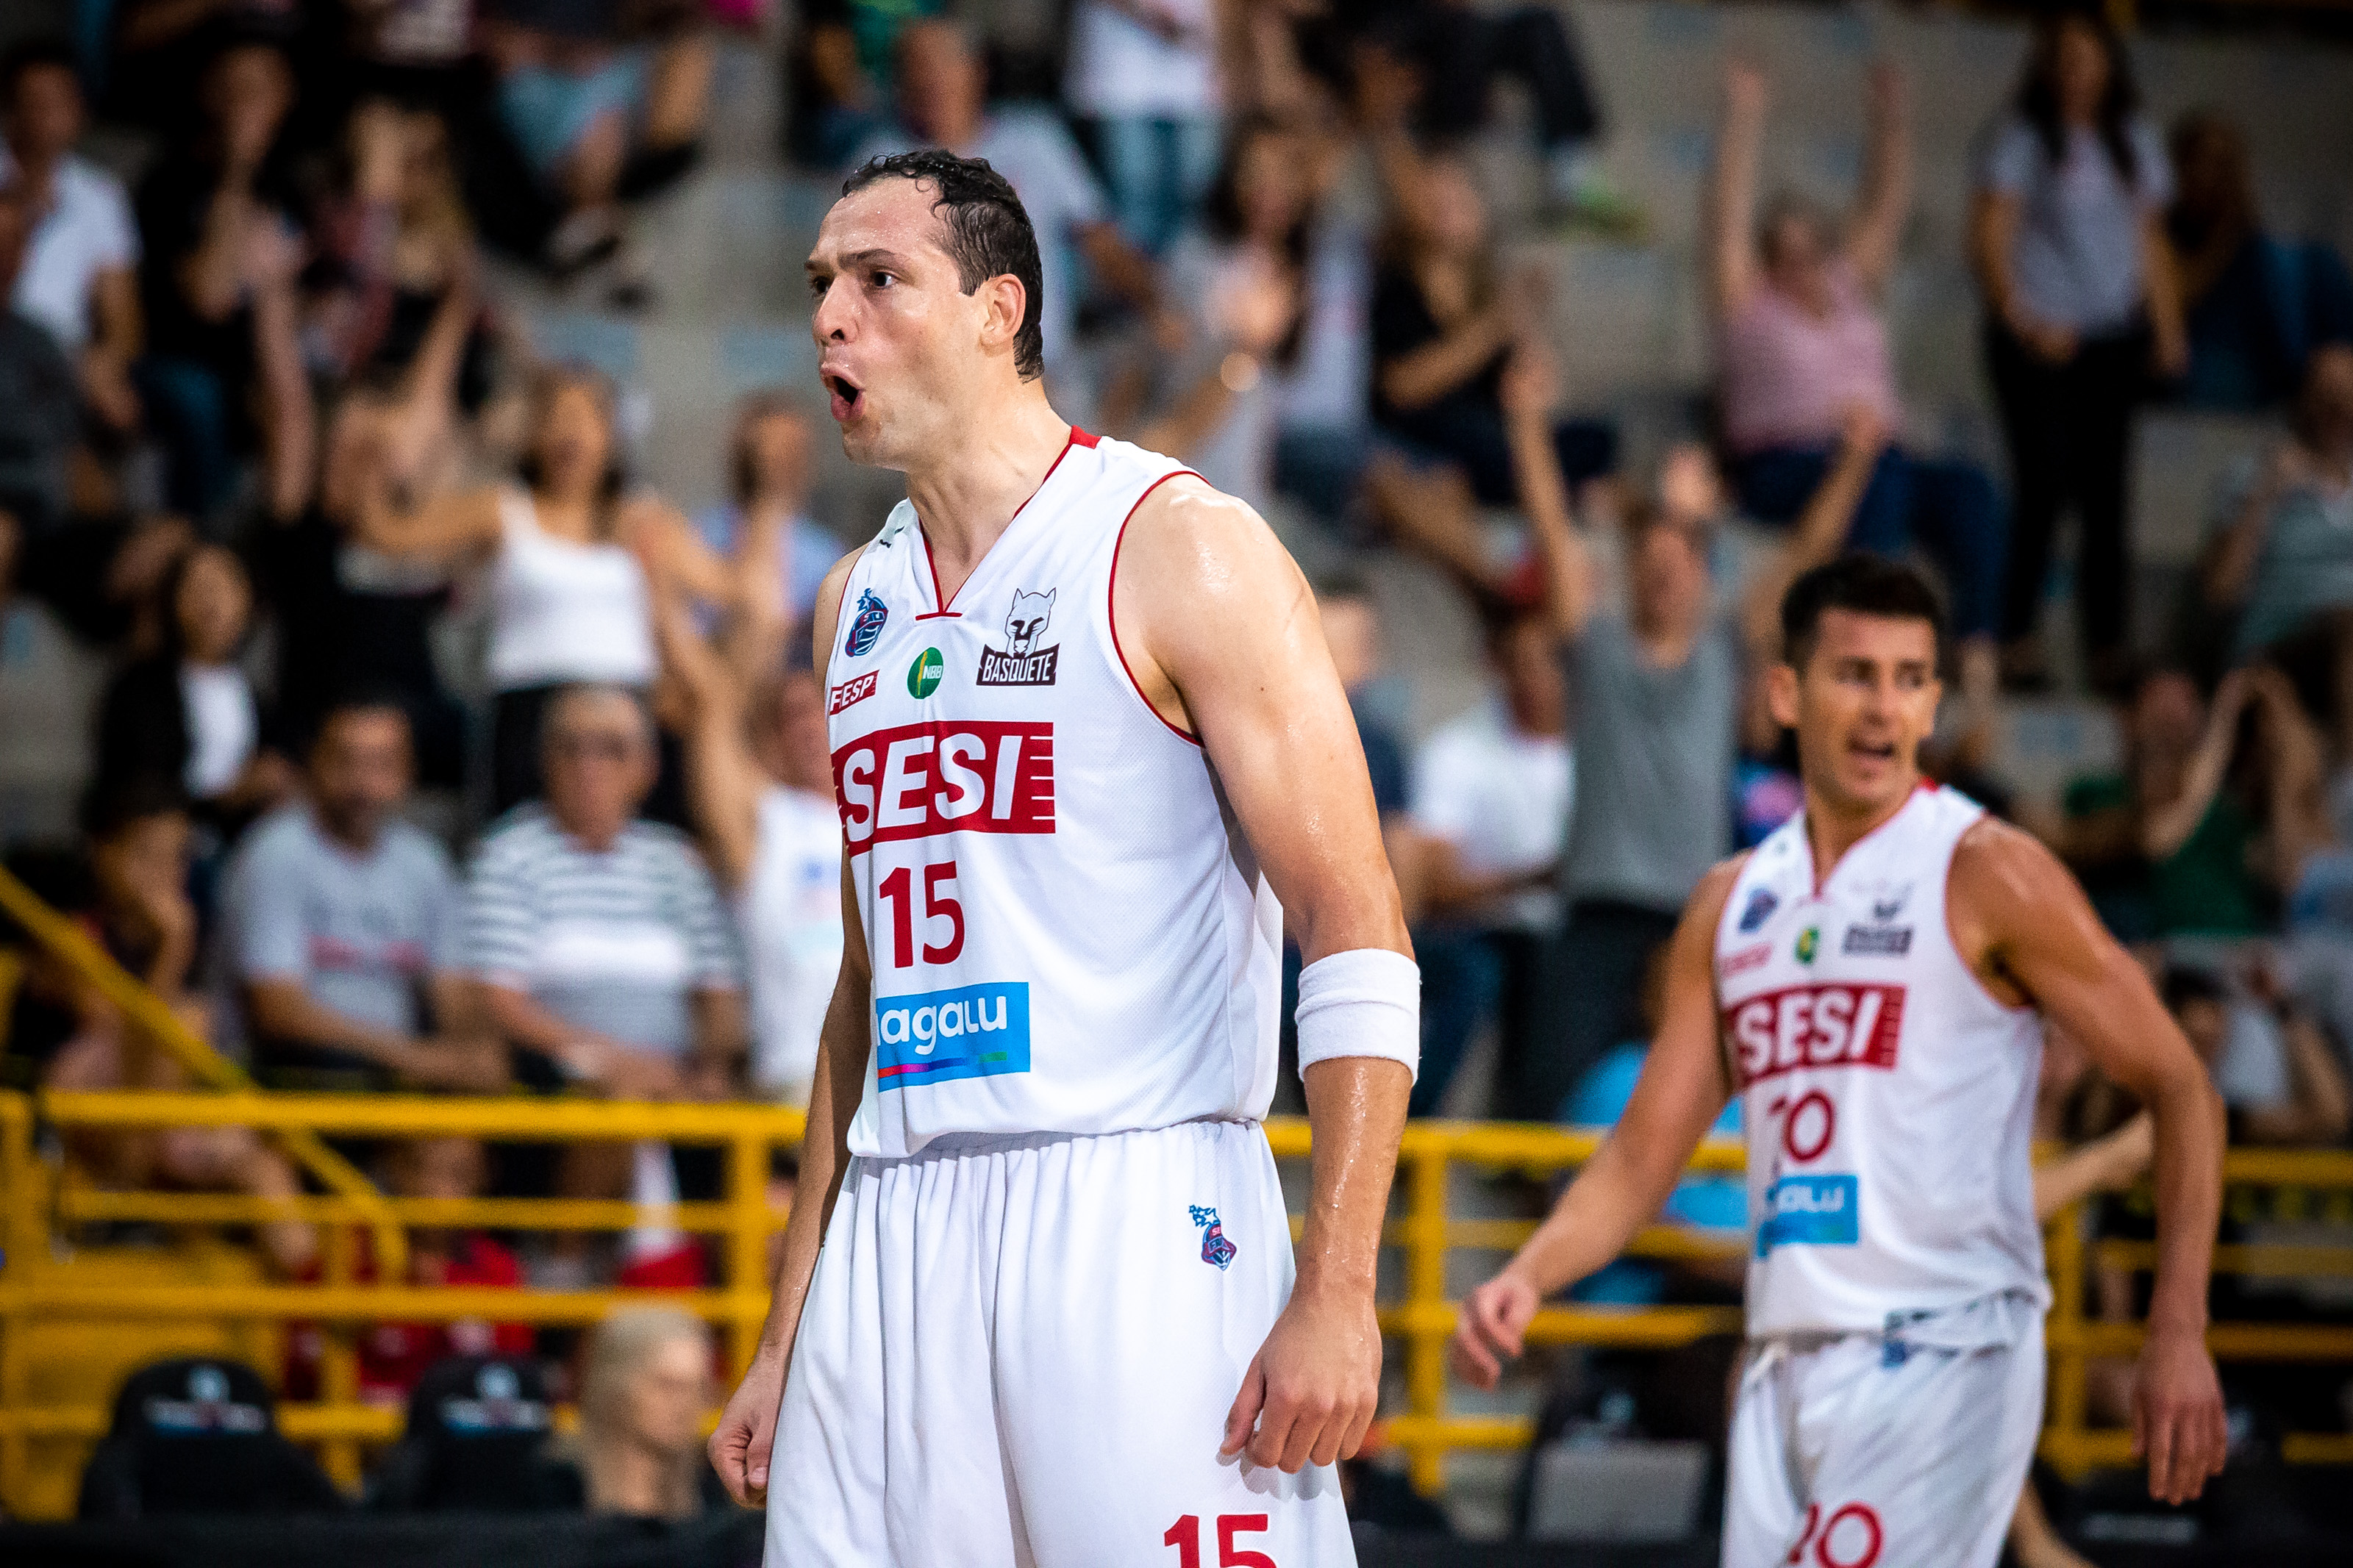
column 1023, row 662
column 1215, row 1248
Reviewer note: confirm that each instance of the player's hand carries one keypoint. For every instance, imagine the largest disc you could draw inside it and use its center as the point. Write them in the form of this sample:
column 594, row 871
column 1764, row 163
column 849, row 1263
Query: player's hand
column 1312, row 1389
column 1492, row 1328
column 2178, row 1421
column 746, row 1433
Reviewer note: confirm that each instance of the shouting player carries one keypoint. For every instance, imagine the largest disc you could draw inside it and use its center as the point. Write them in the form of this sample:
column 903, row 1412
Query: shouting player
column 1039, row 1307
column 1870, row 980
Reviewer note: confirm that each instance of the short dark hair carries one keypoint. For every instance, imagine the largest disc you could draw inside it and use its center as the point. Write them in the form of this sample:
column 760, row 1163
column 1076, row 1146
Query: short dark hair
column 1863, row 584
column 365, row 697
column 40, row 53
column 989, row 233
column 2184, row 983
column 110, row 805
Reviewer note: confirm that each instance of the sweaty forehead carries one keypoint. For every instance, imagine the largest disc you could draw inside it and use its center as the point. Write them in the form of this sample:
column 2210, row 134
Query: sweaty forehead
column 1890, row 639
column 893, row 216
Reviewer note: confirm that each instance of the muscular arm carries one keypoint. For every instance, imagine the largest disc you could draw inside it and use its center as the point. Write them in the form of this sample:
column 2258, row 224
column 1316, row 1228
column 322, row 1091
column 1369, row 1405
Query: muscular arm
column 1876, row 229
column 2021, row 920
column 1683, row 1089
column 1222, row 636
column 740, row 1448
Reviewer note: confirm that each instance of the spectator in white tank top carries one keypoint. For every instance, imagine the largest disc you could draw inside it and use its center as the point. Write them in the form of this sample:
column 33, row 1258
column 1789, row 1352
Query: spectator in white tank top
column 570, row 551
column 760, row 781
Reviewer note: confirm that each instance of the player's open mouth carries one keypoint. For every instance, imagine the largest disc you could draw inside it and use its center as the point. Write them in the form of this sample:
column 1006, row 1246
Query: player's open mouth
column 847, row 394
column 1872, row 751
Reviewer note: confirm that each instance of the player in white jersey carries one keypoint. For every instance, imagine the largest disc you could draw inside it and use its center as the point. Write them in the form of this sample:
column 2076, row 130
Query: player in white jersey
column 1871, row 980
column 1041, row 1305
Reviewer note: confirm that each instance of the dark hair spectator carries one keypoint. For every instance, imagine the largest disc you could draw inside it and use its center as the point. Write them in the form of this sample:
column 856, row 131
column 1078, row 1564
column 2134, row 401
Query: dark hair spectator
column 223, row 372
column 341, row 928
column 2258, row 306
column 80, row 278
column 570, row 592
column 2282, row 555
column 187, row 711
column 37, row 403
column 2083, row 306
column 1444, row 329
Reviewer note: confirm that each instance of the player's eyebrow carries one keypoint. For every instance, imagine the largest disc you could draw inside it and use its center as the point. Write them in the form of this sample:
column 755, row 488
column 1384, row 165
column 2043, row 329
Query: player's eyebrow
column 856, row 260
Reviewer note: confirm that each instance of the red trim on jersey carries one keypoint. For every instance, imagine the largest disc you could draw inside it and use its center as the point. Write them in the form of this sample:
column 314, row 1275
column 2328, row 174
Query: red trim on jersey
column 1077, row 437
column 1111, row 609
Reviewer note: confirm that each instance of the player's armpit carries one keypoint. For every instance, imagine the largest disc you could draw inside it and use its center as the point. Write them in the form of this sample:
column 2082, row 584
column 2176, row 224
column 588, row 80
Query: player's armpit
column 1220, row 635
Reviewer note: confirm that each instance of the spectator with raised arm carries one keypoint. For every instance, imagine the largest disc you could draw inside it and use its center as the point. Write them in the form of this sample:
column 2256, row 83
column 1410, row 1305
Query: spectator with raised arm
column 571, row 548
column 344, row 930
column 223, row 372
column 779, row 553
column 1148, row 75
column 1659, row 684
column 1444, row 327
column 80, row 277
column 2083, row 308
column 2284, row 551
column 1801, row 339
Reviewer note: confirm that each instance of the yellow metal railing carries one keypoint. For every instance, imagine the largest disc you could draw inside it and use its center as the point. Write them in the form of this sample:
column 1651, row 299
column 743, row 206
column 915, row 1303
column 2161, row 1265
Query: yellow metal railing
column 40, row 1202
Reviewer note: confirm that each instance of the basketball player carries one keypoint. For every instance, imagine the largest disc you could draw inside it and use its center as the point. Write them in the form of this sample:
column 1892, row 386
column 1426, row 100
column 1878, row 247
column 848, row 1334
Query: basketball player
column 1085, row 735
column 1870, row 980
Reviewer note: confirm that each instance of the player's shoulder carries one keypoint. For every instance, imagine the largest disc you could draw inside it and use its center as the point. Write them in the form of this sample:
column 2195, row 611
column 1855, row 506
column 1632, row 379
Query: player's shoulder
column 1706, row 905
column 830, row 592
column 1997, row 859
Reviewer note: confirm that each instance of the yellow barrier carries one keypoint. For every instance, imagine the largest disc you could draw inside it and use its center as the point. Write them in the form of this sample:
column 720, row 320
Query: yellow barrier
column 1420, row 1317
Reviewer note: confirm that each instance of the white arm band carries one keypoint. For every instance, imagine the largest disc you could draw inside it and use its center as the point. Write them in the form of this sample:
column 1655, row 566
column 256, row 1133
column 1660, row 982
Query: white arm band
column 1366, row 1002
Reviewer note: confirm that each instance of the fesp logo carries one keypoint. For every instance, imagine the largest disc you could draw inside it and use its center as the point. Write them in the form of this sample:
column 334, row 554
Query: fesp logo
column 851, row 692
column 866, row 625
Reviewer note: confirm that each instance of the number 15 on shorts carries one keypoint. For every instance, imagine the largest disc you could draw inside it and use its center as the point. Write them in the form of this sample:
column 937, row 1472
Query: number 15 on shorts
column 1184, row 1535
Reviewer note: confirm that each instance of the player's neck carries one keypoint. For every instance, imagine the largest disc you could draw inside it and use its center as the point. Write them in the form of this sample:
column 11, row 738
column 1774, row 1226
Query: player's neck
column 967, row 493
column 1834, row 825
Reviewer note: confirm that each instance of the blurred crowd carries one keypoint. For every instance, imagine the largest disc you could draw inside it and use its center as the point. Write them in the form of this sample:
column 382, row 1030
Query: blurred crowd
column 438, row 752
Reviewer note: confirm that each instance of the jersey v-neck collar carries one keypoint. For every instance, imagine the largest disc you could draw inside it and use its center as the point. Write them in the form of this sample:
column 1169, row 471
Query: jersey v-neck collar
column 945, row 609
column 1818, row 879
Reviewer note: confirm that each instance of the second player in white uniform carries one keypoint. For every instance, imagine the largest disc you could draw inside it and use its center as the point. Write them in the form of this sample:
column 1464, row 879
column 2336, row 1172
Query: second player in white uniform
column 1871, row 981
column 1083, row 732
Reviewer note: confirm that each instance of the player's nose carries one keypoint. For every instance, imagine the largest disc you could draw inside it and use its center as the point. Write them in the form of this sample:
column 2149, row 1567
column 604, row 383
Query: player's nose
column 830, row 320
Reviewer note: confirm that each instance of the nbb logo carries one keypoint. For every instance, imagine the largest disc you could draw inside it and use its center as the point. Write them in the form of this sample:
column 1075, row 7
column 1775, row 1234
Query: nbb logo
column 917, row 780
column 1816, row 1026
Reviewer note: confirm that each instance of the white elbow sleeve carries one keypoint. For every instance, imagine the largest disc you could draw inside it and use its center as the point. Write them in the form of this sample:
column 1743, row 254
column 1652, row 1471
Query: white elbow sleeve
column 1366, row 1002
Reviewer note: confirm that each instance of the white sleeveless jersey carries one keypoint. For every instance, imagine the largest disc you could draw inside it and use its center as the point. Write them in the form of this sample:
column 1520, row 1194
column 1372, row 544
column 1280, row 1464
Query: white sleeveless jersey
column 1069, row 933
column 1889, row 1097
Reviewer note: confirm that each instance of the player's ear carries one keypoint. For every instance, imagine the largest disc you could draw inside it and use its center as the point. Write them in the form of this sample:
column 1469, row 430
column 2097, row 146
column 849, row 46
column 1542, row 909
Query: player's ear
column 1005, row 305
column 1782, row 694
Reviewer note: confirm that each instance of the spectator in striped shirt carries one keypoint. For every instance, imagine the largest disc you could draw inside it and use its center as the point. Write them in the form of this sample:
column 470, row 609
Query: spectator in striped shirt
column 599, row 939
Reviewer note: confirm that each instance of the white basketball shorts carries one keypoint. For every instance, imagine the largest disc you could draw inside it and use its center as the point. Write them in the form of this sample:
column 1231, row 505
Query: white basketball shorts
column 1861, row 1451
column 1021, row 1350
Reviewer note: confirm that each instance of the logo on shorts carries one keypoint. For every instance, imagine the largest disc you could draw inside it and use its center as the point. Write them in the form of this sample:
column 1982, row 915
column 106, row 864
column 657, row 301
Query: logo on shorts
column 1215, row 1249
column 850, row 692
column 1810, row 943
column 866, row 625
column 972, row 1031
column 1762, row 902
column 1022, row 662
column 924, row 675
column 1813, row 1211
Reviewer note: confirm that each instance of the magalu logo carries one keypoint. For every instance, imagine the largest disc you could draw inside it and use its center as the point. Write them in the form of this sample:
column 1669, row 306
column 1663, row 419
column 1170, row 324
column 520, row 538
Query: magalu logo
column 1215, row 1249
column 1810, row 943
column 924, row 675
column 972, row 1031
column 1022, row 662
column 1814, row 1211
column 1761, row 905
column 866, row 625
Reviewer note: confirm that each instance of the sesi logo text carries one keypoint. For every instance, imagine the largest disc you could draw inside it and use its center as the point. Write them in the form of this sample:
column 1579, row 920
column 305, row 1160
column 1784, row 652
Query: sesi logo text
column 952, row 775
